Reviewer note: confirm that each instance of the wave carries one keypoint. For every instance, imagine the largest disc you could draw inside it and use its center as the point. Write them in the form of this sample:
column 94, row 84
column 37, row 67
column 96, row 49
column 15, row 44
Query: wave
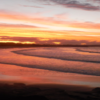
column 61, row 54
column 68, row 69
column 90, row 50
column 20, row 59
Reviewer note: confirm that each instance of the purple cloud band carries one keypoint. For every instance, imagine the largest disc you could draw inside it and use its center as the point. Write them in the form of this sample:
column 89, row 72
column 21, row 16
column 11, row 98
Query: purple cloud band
column 49, row 41
column 73, row 4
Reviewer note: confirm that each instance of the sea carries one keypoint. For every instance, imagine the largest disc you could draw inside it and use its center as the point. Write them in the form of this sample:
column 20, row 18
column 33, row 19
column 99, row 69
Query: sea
column 51, row 65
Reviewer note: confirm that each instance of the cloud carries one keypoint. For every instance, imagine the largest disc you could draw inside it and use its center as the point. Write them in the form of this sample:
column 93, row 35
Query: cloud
column 4, row 14
column 48, row 41
column 31, row 6
column 61, row 16
column 95, row 0
column 85, row 25
column 47, row 22
column 35, row 18
column 85, row 6
column 17, row 26
column 74, row 4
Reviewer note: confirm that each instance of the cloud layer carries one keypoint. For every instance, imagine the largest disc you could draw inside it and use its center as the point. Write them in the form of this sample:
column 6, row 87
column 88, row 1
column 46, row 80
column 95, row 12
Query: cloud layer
column 73, row 4
column 48, row 41
column 51, row 21
column 31, row 6
column 16, row 26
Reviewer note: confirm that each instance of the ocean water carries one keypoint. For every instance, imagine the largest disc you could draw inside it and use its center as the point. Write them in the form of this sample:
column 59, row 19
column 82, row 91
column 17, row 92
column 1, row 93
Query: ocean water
column 65, row 65
column 75, row 60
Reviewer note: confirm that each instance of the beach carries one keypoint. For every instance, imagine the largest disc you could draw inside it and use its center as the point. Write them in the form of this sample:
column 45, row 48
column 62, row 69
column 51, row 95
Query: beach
column 48, row 73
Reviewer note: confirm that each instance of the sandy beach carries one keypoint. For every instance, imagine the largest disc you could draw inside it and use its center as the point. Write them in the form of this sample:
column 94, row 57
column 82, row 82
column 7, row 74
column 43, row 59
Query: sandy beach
column 17, row 80
column 50, row 49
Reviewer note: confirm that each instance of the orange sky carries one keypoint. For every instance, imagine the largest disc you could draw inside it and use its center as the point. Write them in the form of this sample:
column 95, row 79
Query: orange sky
column 31, row 21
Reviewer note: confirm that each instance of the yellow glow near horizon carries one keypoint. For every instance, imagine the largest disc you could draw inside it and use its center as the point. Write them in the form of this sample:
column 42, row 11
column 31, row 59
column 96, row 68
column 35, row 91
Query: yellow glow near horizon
column 57, row 43
column 46, row 35
column 9, row 41
column 27, row 42
column 44, row 39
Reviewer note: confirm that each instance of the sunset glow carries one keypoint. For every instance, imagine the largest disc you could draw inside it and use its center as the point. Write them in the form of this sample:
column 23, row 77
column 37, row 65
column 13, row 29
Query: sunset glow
column 27, row 42
column 65, row 20
column 50, row 49
column 56, row 42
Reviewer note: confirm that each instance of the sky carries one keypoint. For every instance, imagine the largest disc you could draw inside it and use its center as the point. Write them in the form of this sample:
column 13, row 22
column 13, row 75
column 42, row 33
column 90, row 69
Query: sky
column 50, row 21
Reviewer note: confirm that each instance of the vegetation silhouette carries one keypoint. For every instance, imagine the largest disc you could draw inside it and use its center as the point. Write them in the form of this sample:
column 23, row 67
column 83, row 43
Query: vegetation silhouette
column 9, row 45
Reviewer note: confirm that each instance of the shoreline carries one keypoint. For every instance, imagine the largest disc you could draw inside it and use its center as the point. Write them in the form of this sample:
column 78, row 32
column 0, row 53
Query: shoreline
column 43, row 76
column 48, row 87
column 32, row 46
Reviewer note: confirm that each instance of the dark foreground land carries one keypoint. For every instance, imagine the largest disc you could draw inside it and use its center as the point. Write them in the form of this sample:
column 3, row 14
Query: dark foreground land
column 16, row 45
column 31, row 92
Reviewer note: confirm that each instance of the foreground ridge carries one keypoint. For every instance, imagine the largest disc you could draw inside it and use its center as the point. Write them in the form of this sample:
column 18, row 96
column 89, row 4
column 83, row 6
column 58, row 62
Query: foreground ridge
column 20, row 90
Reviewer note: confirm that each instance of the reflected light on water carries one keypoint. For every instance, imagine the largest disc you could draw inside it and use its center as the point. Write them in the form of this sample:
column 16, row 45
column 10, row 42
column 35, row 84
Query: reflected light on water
column 46, row 70
column 39, row 76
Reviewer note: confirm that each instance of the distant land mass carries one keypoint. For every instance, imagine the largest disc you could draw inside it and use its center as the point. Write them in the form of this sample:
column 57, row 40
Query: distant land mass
column 9, row 45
